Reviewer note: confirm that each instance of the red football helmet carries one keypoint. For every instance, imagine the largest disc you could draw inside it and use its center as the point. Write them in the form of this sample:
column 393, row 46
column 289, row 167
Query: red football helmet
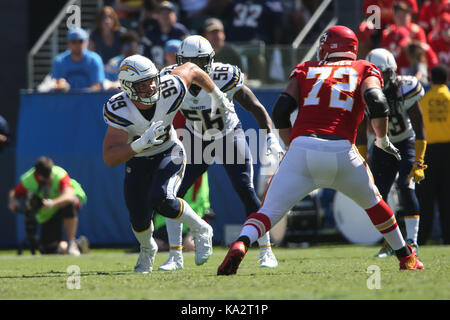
column 338, row 42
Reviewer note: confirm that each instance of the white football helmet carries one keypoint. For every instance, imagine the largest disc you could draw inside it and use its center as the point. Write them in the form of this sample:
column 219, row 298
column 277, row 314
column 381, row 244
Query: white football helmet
column 198, row 50
column 385, row 61
column 134, row 69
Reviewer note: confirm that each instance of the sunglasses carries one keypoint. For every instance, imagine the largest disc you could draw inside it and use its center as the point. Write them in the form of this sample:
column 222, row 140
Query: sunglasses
column 76, row 41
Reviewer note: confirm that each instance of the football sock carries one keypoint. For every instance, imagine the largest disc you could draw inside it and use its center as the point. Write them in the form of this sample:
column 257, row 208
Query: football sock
column 245, row 240
column 144, row 237
column 384, row 220
column 189, row 217
column 412, row 227
column 256, row 226
column 264, row 241
column 175, row 234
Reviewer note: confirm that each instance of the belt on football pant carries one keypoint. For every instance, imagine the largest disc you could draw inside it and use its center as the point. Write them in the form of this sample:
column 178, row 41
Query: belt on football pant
column 322, row 136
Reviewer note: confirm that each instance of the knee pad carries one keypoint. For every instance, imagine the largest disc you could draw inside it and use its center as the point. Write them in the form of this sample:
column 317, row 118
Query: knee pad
column 168, row 207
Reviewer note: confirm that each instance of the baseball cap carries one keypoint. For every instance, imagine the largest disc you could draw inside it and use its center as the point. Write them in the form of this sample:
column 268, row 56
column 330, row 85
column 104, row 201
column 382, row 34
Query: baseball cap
column 167, row 5
column 172, row 45
column 212, row 24
column 76, row 34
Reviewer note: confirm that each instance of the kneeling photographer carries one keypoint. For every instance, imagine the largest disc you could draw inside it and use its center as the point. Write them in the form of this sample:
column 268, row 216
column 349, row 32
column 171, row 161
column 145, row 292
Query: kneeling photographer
column 47, row 193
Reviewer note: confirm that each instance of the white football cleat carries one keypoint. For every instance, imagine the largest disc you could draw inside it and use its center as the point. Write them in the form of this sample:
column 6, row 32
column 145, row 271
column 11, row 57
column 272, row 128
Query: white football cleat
column 267, row 258
column 73, row 249
column 175, row 262
column 203, row 244
column 146, row 258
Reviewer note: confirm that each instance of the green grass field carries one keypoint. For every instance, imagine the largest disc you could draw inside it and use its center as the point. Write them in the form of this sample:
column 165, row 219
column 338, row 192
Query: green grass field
column 320, row 272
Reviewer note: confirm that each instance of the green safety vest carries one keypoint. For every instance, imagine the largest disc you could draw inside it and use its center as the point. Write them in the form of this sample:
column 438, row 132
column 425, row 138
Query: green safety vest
column 30, row 184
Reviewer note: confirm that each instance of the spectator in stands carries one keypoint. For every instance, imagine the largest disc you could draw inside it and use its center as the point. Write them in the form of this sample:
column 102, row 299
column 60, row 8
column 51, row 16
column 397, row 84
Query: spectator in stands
column 439, row 39
column 157, row 35
column 417, row 58
column 5, row 137
column 129, row 46
column 386, row 9
column 429, row 14
column 195, row 12
column 250, row 20
column 402, row 20
column 105, row 39
column 436, row 115
column 298, row 15
column 128, row 11
column 149, row 15
column 55, row 199
column 78, row 67
column 214, row 32
column 170, row 52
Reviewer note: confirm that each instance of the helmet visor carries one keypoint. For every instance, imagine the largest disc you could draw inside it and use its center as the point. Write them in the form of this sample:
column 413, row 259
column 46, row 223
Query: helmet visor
column 203, row 62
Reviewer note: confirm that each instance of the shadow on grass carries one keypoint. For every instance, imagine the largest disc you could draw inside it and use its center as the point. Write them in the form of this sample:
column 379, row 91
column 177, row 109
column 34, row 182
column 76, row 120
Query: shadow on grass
column 57, row 274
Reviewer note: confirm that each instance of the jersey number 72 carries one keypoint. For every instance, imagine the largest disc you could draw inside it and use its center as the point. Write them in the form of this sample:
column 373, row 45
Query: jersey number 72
column 337, row 88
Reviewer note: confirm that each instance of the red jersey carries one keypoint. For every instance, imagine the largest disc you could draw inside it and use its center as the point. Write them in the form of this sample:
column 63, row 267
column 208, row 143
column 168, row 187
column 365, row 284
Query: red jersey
column 440, row 47
column 386, row 9
column 394, row 38
column 429, row 15
column 330, row 101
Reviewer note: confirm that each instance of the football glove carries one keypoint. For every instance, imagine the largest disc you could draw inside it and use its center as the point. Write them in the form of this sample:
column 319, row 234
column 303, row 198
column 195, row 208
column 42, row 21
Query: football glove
column 386, row 145
column 417, row 172
column 274, row 147
column 220, row 101
column 149, row 138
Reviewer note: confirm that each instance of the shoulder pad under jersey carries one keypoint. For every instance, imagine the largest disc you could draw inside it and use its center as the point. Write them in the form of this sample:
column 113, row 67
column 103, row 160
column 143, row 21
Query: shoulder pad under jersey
column 410, row 90
column 116, row 111
column 226, row 76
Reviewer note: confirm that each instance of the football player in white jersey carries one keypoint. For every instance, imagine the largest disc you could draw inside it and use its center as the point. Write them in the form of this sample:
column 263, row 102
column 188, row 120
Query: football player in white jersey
column 140, row 133
column 407, row 133
column 222, row 131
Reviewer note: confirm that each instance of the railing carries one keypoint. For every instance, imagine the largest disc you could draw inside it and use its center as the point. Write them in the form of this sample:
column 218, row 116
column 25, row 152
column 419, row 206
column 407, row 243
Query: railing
column 263, row 64
column 53, row 40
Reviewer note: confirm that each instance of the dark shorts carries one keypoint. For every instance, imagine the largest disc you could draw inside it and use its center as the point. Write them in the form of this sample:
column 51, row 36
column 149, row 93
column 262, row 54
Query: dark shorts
column 148, row 180
column 52, row 230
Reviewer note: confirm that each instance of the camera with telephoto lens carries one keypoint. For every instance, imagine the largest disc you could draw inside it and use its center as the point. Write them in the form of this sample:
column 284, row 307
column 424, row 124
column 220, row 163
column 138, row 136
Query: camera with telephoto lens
column 29, row 206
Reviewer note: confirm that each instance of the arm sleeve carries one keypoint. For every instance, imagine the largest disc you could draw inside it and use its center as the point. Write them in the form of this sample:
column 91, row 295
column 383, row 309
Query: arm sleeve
column 56, row 69
column 65, row 183
column 20, row 190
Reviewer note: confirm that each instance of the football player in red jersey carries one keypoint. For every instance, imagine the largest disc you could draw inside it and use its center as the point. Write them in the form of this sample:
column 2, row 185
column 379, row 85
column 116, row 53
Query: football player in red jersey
column 330, row 95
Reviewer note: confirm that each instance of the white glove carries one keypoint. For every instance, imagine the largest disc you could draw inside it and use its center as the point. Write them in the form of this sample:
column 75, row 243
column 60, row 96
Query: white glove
column 220, row 100
column 149, row 137
column 274, row 147
column 387, row 146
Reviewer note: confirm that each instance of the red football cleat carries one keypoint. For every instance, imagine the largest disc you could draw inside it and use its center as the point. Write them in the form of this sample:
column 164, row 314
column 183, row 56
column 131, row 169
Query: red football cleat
column 410, row 262
column 233, row 259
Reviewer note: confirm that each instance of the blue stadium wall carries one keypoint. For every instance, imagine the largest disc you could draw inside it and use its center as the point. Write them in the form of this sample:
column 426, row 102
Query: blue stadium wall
column 69, row 128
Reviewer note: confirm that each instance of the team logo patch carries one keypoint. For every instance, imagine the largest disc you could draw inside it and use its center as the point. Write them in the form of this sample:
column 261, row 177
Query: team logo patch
column 127, row 67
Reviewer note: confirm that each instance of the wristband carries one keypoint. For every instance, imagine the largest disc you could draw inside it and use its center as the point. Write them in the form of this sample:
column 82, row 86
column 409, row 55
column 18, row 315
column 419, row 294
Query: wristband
column 216, row 94
column 50, row 203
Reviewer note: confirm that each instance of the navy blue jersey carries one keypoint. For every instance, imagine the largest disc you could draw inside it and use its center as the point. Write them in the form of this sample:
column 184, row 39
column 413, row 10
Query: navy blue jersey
column 253, row 20
column 154, row 41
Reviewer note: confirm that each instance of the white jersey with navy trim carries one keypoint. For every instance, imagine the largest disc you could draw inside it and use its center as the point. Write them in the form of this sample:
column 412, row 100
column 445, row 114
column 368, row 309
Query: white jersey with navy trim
column 409, row 92
column 197, row 109
column 119, row 112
